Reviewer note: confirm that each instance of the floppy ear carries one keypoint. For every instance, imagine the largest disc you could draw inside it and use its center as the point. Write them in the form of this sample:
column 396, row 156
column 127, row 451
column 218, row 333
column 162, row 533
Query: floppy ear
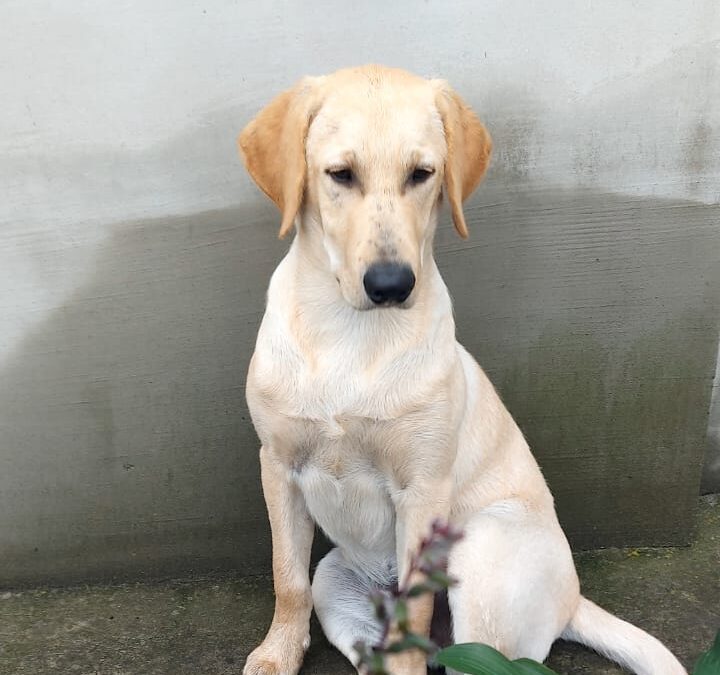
column 468, row 151
column 273, row 148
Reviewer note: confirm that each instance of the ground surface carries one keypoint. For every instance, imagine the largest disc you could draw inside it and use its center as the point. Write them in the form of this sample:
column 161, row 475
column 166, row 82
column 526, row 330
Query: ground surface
column 208, row 625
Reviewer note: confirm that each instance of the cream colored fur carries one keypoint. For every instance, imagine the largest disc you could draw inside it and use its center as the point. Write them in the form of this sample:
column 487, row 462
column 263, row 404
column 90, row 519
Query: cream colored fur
column 374, row 420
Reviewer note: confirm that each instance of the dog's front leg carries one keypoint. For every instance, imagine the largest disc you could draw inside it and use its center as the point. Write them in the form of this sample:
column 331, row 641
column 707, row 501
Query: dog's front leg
column 416, row 509
column 283, row 648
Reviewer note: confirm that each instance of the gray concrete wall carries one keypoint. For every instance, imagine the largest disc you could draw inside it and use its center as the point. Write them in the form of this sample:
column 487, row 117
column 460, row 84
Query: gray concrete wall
column 134, row 253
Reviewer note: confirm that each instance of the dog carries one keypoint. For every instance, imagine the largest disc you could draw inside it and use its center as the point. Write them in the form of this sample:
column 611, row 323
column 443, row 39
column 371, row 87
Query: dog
column 373, row 419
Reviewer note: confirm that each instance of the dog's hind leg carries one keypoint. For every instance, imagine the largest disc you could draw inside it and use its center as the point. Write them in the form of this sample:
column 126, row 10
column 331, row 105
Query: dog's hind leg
column 342, row 603
column 517, row 585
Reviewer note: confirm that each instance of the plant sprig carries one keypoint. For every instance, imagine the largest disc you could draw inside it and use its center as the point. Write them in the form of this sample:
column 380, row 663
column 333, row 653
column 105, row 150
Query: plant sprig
column 391, row 605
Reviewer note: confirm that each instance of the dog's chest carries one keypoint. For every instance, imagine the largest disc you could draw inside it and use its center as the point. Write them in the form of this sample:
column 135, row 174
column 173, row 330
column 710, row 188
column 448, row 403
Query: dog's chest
column 331, row 427
column 352, row 505
column 346, row 487
column 343, row 423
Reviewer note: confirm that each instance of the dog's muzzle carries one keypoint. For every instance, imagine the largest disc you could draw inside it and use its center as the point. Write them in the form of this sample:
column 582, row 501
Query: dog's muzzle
column 388, row 283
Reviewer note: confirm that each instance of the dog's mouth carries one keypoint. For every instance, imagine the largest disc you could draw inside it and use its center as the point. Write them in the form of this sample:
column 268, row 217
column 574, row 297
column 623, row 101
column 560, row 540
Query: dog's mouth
column 389, row 284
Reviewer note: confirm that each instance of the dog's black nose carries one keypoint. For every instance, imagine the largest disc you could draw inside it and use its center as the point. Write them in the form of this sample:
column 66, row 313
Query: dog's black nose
column 388, row 282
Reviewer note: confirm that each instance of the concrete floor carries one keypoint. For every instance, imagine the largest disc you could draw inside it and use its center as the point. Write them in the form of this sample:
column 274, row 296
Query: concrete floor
column 208, row 625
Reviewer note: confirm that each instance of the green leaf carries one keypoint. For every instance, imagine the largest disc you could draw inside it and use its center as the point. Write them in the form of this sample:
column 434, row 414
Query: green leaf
column 422, row 643
column 442, row 579
column 419, row 589
column 412, row 641
column 377, row 664
column 709, row 662
column 401, row 615
column 530, row 667
column 475, row 659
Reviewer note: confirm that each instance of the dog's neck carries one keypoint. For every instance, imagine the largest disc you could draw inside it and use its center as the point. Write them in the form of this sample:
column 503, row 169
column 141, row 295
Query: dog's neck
column 326, row 321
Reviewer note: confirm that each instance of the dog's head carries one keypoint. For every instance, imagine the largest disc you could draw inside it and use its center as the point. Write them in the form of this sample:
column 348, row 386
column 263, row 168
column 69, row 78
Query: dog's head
column 363, row 155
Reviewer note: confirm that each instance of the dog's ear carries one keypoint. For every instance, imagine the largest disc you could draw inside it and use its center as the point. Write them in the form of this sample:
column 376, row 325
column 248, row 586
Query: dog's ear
column 468, row 150
column 273, row 147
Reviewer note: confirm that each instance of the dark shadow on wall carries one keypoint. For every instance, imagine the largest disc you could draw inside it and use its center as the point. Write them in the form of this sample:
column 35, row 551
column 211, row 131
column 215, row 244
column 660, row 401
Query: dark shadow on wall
column 597, row 317
column 127, row 448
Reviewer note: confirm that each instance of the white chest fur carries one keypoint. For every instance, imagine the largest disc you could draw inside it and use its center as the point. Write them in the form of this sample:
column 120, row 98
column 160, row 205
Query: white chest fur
column 355, row 510
column 333, row 394
column 328, row 423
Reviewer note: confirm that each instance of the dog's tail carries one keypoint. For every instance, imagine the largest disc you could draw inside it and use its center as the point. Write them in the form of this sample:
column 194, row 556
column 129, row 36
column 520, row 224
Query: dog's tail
column 620, row 641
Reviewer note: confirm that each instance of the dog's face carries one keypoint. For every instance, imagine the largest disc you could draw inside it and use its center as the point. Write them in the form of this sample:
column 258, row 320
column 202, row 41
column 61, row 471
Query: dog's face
column 374, row 175
column 364, row 155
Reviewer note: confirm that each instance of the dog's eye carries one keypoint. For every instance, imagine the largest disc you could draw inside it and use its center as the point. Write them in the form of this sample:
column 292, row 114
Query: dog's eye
column 420, row 175
column 342, row 176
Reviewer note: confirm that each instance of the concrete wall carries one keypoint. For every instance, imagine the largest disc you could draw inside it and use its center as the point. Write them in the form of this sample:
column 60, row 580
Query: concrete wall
column 134, row 253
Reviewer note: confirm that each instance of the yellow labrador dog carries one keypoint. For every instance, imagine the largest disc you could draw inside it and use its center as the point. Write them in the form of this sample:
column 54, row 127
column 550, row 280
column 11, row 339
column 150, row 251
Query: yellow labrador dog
column 373, row 419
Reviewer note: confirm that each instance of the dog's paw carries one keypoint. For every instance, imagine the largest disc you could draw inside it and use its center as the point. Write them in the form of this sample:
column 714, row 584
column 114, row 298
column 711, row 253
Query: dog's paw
column 279, row 654
column 265, row 664
column 268, row 666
